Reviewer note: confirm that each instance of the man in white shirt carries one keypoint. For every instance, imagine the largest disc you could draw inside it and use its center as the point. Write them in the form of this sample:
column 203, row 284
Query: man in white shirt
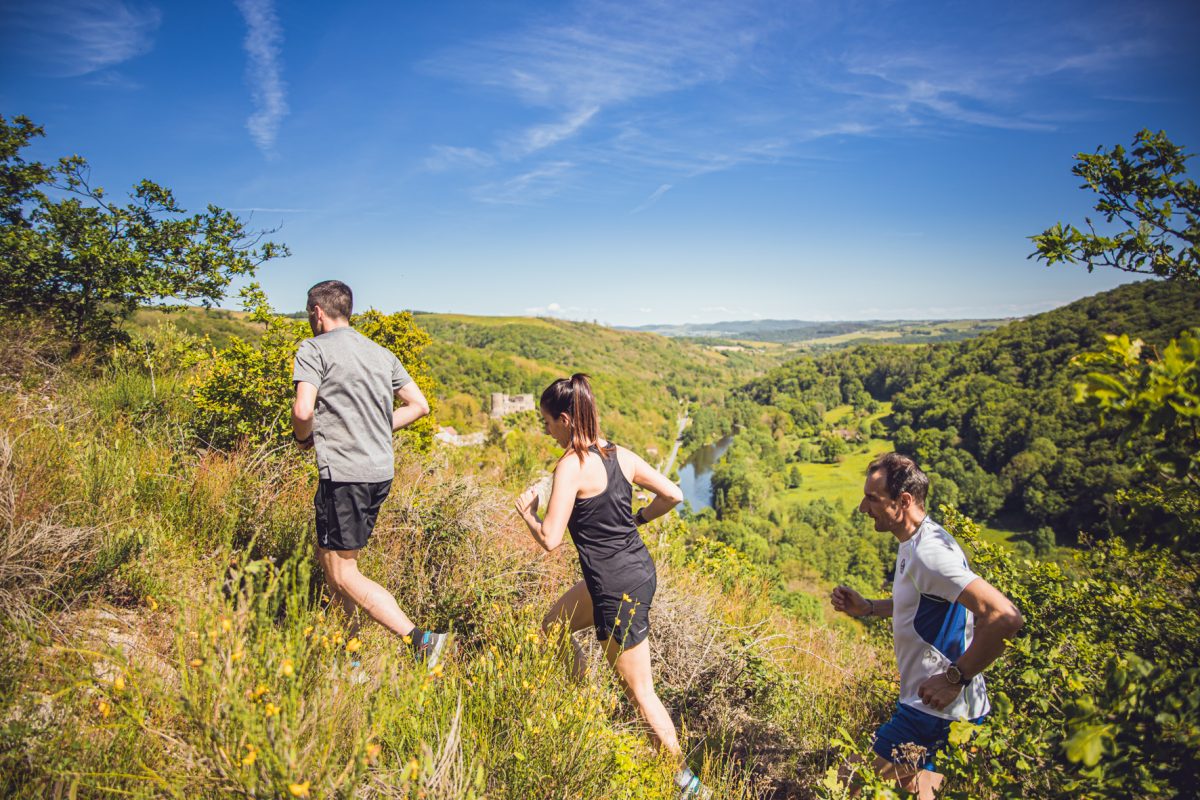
column 948, row 625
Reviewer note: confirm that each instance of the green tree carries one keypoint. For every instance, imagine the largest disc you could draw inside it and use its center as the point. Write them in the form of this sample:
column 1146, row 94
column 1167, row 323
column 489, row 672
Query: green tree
column 1159, row 397
column 1144, row 191
column 74, row 257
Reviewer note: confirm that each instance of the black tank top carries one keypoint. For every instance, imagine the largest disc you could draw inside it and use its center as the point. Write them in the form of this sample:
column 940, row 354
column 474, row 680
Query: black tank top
column 611, row 552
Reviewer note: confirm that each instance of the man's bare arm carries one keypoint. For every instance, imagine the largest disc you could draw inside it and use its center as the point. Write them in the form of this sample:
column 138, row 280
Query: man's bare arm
column 850, row 602
column 414, row 406
column 303, row 409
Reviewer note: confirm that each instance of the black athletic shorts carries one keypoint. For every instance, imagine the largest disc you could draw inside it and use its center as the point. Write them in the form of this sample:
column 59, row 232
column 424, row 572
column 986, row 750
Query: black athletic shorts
column 624, row 617
column 346, row 512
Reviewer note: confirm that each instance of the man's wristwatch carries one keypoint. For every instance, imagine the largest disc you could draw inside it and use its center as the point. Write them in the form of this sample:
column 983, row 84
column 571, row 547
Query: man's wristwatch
column 954, row 675
column 302, row 441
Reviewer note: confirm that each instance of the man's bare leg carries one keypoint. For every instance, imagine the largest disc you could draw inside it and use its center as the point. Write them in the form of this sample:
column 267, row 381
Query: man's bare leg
column 341, row 572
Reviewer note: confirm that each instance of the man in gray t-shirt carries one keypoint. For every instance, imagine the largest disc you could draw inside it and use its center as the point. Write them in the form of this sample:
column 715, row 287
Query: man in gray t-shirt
column 345, row 385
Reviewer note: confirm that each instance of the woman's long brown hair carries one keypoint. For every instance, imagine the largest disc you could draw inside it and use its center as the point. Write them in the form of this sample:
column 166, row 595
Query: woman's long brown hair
column 574, row 396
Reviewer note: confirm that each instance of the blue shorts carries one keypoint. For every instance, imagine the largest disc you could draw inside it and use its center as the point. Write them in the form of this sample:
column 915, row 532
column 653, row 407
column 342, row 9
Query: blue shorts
column 912, row 737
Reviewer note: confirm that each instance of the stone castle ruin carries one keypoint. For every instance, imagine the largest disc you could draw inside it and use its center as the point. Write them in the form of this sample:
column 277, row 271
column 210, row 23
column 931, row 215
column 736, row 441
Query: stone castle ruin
column 504, row 404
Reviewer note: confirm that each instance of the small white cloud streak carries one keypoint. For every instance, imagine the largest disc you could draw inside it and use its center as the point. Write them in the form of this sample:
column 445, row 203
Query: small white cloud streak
column 78, row 37
column 652, row 199
column 548, row 310
column 263, row 44
column 536, row 184
column 446, row 157
column 540, row 137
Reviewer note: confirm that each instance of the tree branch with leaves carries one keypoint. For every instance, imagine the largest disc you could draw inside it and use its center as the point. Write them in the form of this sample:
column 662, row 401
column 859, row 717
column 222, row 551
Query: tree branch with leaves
column 1146, row 193
column 76, row 259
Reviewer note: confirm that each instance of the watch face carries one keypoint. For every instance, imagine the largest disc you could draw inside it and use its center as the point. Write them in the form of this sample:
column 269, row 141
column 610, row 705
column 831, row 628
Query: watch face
column 953, row 674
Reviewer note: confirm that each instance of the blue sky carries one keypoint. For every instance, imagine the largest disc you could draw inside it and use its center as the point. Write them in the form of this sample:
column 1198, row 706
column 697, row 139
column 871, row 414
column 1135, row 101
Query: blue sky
column 626, row 162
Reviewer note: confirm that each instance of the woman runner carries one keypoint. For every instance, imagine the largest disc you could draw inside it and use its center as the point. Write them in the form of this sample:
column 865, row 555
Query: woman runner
column 592, row 496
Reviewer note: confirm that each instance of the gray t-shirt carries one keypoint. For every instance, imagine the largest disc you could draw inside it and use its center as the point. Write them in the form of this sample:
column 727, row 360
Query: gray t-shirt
column 356, row 380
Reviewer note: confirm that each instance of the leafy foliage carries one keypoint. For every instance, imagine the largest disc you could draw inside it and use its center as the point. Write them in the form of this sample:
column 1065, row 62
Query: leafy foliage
column 86, row 262
column 1158, row 399
column 1145, row 193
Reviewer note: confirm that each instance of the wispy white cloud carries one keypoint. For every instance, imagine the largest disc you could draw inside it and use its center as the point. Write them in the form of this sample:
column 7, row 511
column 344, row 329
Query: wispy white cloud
column 113, row 79
column 548, row 310
column 532, row 186
column 539, row 137
column 263, row 44
column 71, row 38
column 607, row 53
column 652, row 199
column 681, row 88
column 446, row 157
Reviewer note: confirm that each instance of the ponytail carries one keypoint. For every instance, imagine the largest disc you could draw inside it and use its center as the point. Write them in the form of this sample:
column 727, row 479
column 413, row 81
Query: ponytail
column 574, row 396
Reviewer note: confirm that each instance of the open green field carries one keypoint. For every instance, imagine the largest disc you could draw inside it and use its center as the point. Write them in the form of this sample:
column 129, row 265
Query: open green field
column 835, row 414
column 839, row 483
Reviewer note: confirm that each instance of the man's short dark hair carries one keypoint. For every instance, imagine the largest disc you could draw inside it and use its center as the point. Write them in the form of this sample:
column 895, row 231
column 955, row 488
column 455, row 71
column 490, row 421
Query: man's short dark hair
column 901, row 474
column 334, row 298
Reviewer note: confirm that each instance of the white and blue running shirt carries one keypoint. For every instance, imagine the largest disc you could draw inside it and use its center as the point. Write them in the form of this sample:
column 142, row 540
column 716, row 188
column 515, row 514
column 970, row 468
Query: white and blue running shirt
column 929, row 626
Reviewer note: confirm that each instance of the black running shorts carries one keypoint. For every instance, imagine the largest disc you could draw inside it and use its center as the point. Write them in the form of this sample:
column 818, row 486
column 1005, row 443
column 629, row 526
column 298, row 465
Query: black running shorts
column 625, row 617
column 346, row 512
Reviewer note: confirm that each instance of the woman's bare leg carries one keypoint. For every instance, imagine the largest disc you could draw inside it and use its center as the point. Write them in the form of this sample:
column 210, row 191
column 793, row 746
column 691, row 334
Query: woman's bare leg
column 574, row 609
column 633, row 667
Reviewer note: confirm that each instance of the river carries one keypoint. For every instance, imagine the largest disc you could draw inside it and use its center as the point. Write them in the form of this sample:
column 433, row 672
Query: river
column 695, row 477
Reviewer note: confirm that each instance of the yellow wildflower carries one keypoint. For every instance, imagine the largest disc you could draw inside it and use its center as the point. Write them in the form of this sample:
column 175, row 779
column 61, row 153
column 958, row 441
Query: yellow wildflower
column 226, row 624
column 104, row 708
column 307, row 630
column 337, row 637
column 151, row 603
column 373, row 752
column 353, row 646
column 270, row 709
column 298, row 789
column 626, row 598
column 197, row 662
column 260, row 690
column 236, row 655
column 287, row 669
column 436, row 671
column 119, row 683
column 414, row 769
column 407, row 639
column 251, row 755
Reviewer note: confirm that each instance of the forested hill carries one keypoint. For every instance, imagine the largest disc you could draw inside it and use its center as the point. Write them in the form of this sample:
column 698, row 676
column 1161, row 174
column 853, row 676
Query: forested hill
column 994, row 418
column 639, row 378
